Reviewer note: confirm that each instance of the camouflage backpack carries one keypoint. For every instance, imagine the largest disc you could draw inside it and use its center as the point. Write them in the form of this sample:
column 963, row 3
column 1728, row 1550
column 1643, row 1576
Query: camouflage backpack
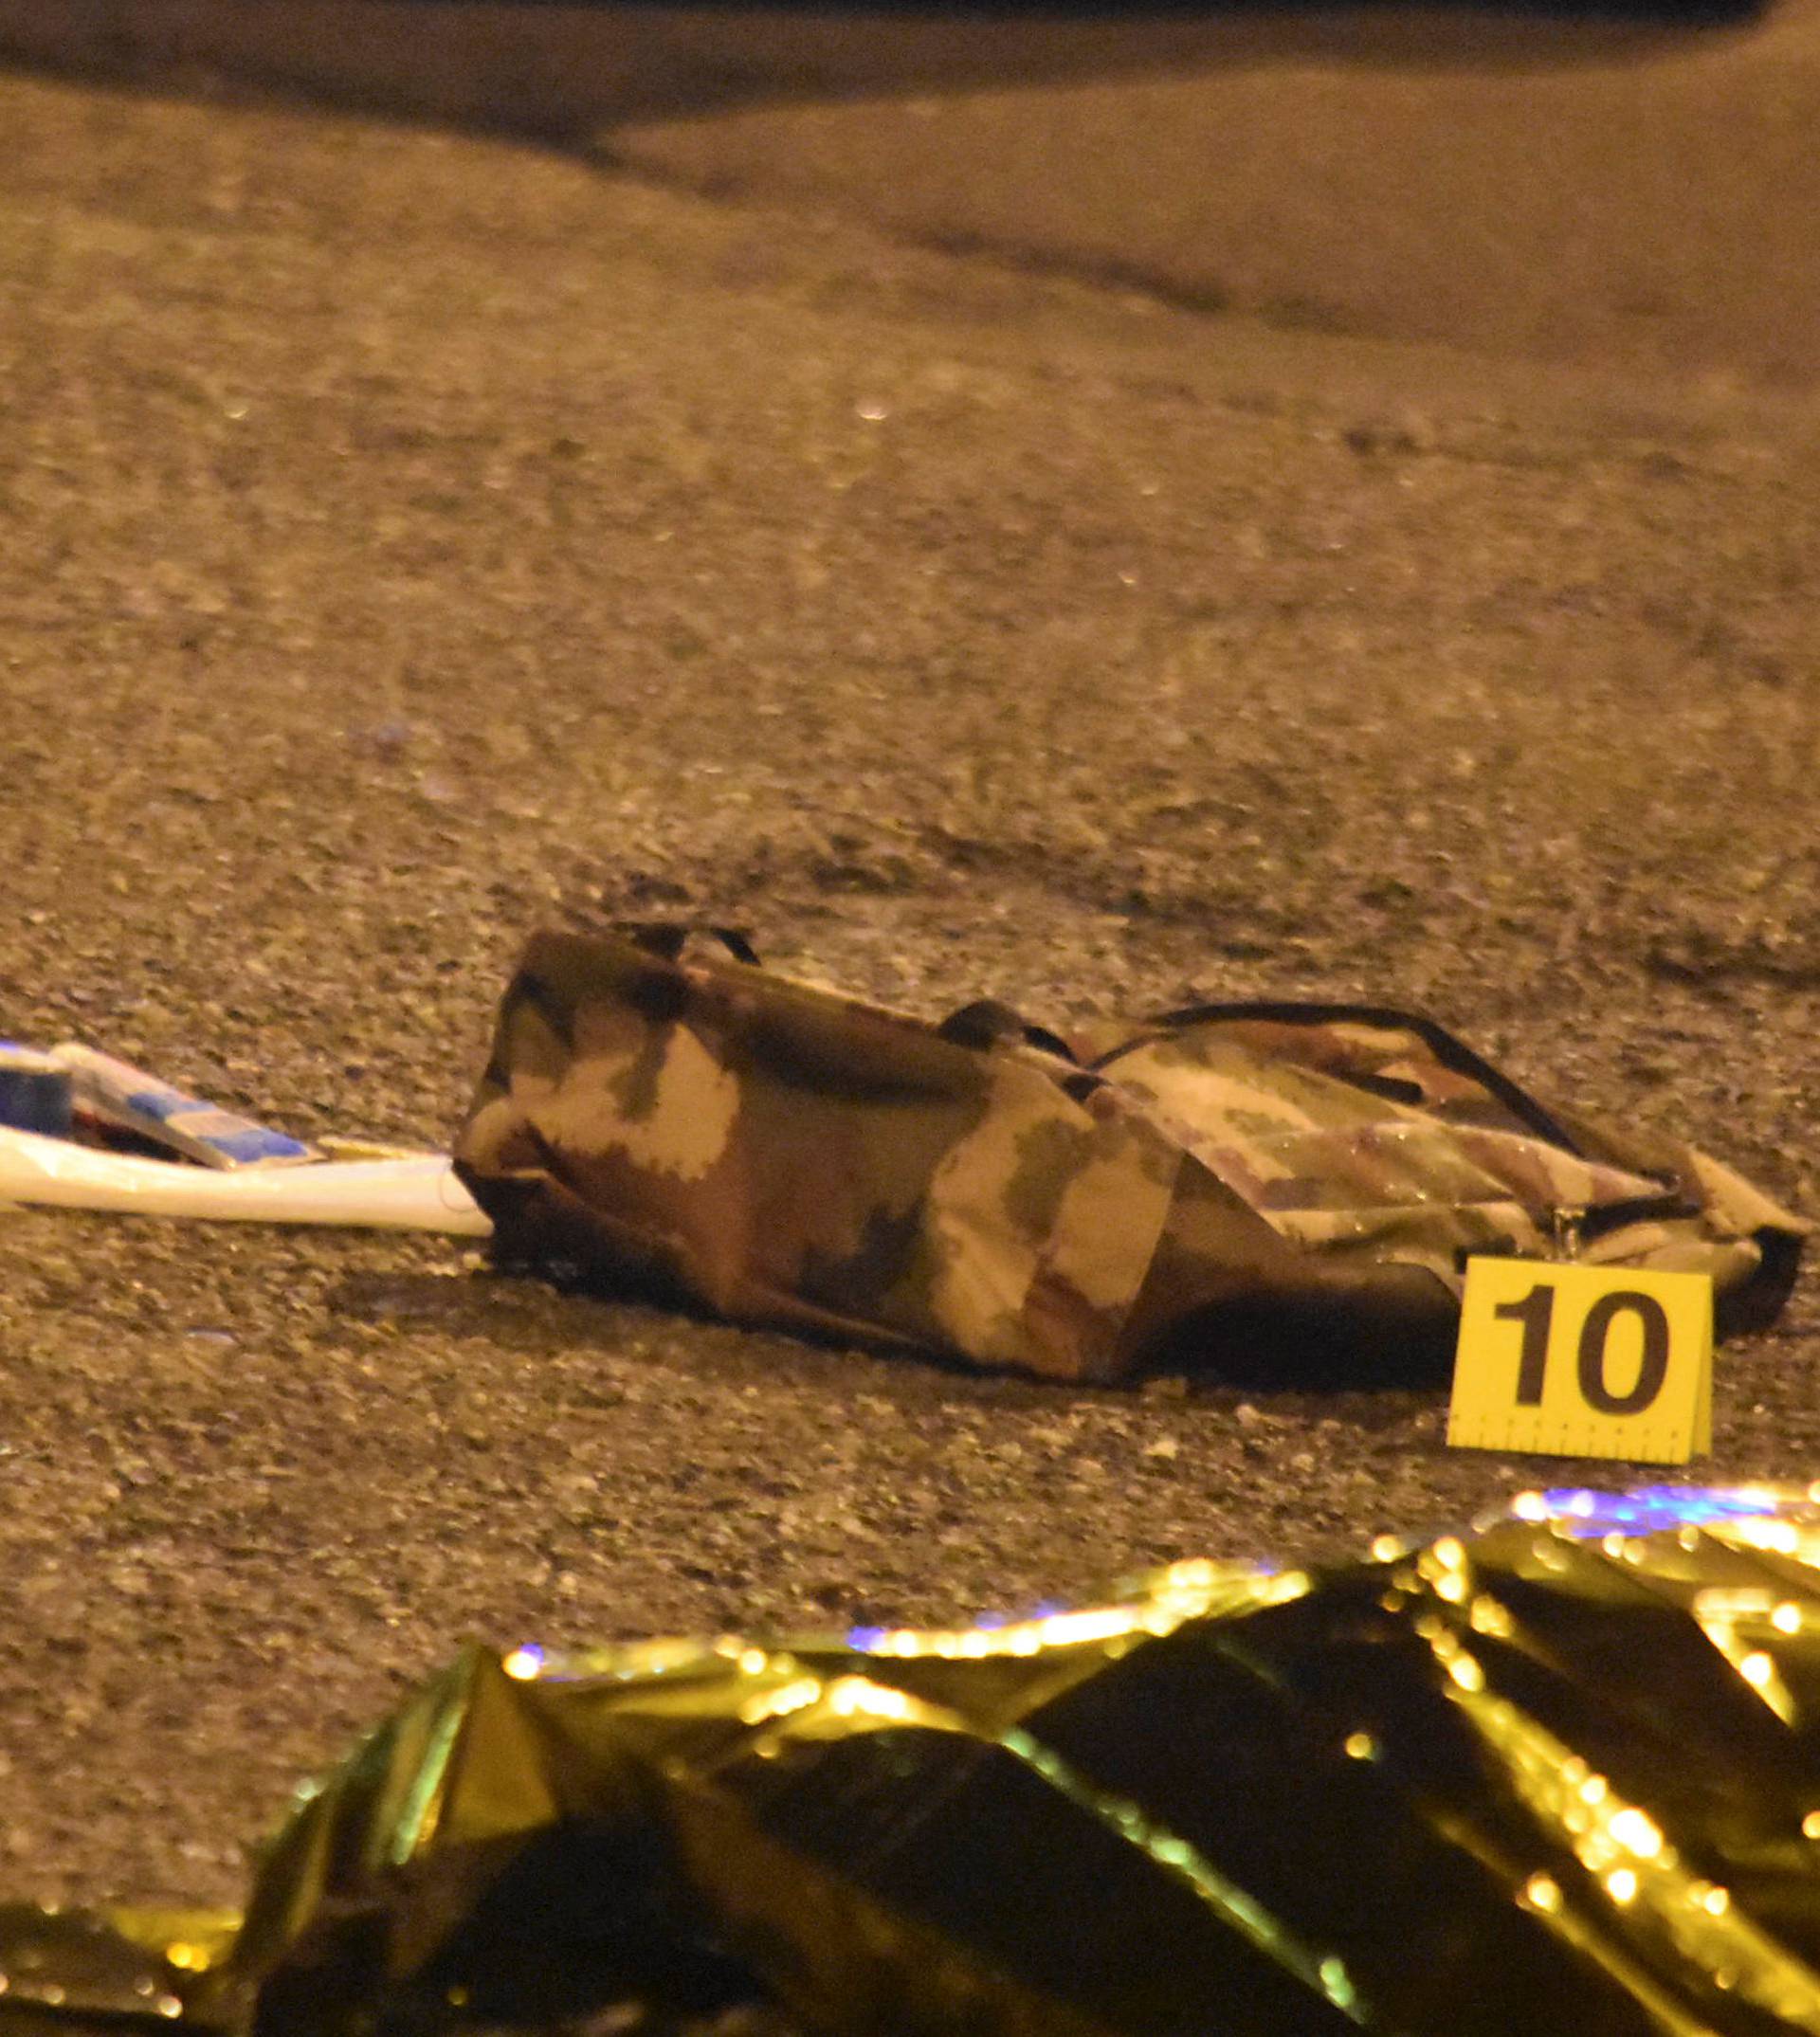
column 1214, row 1181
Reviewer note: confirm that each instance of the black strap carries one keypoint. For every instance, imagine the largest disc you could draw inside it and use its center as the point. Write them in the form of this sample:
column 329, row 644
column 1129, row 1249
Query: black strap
column 667, row 938
column 1448, row 1051
column 986, row 1022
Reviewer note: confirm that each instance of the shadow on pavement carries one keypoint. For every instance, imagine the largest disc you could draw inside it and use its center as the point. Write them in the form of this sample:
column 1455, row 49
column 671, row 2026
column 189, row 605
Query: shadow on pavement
column 561, row 72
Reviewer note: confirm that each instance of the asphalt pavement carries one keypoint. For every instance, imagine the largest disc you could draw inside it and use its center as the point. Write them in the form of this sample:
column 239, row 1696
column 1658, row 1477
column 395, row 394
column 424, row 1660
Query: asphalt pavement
column 916, row 510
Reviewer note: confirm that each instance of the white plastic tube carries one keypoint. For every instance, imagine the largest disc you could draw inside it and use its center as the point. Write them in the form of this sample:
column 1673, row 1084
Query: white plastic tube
column 420, row 1193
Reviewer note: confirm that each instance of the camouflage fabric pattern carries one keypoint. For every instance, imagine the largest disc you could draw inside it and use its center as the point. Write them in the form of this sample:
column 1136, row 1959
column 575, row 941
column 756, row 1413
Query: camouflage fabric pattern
column 662, row 1110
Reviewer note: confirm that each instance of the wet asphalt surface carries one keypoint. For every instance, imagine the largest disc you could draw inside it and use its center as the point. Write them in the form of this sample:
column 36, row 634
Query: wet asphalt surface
column 403, row 532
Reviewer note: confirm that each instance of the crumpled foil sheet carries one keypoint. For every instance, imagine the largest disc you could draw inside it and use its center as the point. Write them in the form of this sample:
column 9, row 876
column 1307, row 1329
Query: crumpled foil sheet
column 1182, row 1188
column 1562, row 1774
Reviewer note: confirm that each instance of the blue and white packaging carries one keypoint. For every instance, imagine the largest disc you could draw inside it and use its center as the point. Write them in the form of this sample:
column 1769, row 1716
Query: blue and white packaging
column 120, row 1095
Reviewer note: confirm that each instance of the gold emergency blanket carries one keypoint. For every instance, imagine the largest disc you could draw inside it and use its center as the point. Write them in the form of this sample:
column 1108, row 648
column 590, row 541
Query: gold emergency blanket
column 665, row 1112
column 1562, row 1774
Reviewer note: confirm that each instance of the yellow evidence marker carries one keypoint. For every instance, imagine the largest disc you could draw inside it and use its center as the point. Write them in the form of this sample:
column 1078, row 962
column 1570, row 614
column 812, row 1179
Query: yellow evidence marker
column 1583, row 1361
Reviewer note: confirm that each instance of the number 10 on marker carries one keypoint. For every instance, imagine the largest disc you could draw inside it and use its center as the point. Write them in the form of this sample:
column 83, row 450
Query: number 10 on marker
column 1584, row 1361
